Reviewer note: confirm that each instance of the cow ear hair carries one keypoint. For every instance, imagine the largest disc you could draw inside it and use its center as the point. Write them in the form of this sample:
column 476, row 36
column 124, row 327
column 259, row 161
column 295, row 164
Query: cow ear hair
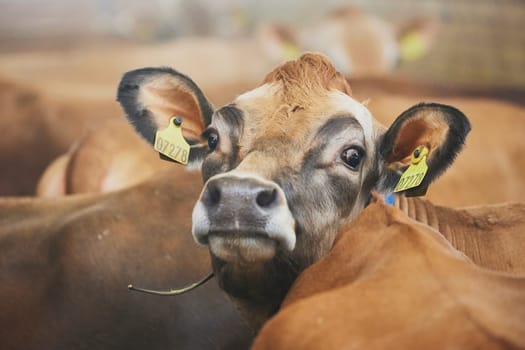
column 440, row 128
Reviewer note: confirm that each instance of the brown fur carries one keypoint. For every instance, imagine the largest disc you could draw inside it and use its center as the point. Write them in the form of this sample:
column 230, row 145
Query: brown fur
column 109, row 157
column 313, row 72
column 36, row 130
column 65, row 264
column 297, row 99
column 390, row 282
column 492, row 236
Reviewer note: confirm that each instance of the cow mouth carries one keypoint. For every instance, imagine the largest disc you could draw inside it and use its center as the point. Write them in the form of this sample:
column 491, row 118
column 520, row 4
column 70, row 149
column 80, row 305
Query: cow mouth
column 242, row 248
column 244, row 238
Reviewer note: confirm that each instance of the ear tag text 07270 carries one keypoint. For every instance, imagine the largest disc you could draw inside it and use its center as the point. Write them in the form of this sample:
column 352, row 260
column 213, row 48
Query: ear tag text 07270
column 414, row 175
column 170, row 142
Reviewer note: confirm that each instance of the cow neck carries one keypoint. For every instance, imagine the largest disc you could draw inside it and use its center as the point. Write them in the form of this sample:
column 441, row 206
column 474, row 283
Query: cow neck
column 359, row 249
column 422, row 211
column 254, row 314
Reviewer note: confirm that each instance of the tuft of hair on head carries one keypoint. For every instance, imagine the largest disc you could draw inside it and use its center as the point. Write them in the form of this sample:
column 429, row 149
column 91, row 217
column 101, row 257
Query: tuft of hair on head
column 310, row 72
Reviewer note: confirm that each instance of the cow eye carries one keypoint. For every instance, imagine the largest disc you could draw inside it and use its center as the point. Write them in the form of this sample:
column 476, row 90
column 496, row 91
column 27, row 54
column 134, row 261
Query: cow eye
column 213, row 138
column 352, row 157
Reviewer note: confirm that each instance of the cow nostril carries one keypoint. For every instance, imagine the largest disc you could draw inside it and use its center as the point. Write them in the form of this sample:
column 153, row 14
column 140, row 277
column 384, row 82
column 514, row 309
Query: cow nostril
column 213, row 195
column 266, row 198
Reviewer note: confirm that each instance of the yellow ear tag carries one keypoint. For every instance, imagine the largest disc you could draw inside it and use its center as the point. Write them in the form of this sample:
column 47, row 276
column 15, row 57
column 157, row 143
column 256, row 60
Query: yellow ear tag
column 414, row 175
column 171, row 143
column 412, row 46
column 290, row 51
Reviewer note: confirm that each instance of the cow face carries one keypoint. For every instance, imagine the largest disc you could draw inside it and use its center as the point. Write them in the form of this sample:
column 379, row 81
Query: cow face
column 285, row 165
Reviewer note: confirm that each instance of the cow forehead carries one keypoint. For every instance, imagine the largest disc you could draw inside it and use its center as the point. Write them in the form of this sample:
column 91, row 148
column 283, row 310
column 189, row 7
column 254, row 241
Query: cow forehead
column 267, row 115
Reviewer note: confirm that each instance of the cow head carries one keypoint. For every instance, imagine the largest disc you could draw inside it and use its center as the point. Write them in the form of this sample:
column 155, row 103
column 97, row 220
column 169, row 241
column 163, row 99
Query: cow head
column 285, row 165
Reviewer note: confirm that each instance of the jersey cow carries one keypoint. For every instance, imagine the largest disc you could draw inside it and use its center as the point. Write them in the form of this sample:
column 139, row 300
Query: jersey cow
column 492, row 236
column 285, row 166
column 391, row 282
column 37, row 129
column 65, row 265
column 109, row 157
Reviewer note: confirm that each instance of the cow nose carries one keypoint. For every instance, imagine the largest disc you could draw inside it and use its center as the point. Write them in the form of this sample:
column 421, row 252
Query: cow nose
column 243, row 214
column 240, row 192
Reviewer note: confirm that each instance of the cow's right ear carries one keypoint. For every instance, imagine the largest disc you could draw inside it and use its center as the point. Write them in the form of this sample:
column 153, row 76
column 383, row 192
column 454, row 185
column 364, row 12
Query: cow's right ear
column 152, row 96
column 440, row 128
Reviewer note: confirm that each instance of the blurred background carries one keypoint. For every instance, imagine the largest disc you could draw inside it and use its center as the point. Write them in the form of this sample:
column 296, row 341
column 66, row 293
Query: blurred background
column 62, row 132
column 61, row 62
column 476, row 41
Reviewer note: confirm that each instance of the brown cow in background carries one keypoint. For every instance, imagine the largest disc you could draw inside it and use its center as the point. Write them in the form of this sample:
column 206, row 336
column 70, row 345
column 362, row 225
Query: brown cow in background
column 391, row 282
column 36, row 130
column 65, row 265
column 109, row 157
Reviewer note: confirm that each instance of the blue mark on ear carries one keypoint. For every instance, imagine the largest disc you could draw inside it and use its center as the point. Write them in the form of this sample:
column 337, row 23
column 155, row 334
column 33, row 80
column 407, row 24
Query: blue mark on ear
column 389, row 199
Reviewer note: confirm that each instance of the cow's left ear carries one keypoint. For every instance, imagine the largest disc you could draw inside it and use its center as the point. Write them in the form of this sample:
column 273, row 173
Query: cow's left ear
column 440, row 128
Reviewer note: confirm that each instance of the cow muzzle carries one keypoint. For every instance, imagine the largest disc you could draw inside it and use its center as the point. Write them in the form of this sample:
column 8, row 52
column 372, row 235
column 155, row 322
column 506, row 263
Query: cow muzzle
column 243, row 218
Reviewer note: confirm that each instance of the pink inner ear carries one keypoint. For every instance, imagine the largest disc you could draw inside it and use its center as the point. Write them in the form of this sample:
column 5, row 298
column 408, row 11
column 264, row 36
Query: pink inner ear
column 429, row 131
column 167, row 99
